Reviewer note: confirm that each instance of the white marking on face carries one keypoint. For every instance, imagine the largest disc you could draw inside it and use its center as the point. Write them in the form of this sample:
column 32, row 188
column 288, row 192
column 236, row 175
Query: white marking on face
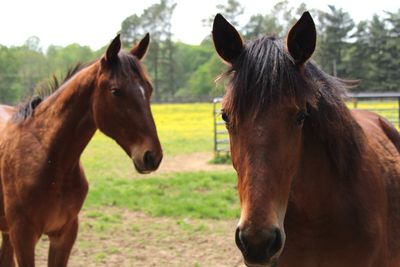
column 142, row 91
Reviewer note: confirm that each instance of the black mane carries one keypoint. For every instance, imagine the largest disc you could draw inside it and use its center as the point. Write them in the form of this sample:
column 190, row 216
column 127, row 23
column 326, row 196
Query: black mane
column 26, row 109
column 265, row 73
column 262, row 74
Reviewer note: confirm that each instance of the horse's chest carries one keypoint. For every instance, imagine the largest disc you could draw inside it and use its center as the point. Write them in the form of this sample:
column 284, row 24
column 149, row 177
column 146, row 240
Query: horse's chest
column 65, row 203
column 66, row 196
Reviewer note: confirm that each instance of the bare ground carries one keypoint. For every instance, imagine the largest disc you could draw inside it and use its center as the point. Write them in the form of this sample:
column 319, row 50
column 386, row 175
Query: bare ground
column 191, row 163
column 142, row 240
column 137, row 239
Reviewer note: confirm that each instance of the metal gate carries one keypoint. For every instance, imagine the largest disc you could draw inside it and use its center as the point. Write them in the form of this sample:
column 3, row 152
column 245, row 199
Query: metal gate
column 385, row 104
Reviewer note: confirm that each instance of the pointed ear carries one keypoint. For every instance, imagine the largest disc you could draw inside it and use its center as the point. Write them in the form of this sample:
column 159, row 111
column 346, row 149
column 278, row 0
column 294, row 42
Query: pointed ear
column 140, row 49
column 113, row 50
column 301, row 39
column 227, row 40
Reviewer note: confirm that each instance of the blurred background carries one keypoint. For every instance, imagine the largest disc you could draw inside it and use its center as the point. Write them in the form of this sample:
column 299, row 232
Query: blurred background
column 39, row 38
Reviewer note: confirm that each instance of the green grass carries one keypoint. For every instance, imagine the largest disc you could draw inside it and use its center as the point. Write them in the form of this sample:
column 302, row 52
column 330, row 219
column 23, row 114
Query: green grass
column 103, row 157
column 223, row 158
column 184, row 128
column 102, row 222
column 194, row 195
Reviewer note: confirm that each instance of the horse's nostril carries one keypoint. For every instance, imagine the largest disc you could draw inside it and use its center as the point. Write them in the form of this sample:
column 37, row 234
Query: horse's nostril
column 274, row 242
column 149, row 161
column 239, row 241
column 261, row 246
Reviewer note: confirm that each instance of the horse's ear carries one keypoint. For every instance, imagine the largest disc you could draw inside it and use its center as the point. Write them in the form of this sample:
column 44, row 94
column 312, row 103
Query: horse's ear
column 140, row 49
column 227, row 40
column 301, row 39
column 113, row 50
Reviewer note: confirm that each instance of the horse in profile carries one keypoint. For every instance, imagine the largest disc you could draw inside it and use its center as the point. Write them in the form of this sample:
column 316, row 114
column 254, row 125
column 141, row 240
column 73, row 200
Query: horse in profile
column 43, row 185
column 319, row 185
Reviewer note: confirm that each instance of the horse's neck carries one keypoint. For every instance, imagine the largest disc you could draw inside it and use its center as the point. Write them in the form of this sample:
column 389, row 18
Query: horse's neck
column 64, row 121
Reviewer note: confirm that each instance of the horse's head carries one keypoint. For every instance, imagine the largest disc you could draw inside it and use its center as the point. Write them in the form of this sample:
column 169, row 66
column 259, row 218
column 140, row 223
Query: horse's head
column 264, row 111
column 121, row 104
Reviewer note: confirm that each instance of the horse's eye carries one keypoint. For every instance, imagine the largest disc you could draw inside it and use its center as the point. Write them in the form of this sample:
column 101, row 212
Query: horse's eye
column 116, row 91
column 301, row 116
column 225, row 116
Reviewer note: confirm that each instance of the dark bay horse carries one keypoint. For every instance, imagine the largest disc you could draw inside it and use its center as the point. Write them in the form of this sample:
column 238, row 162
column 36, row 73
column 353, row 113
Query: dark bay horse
column 319, row 185
column 43, row 185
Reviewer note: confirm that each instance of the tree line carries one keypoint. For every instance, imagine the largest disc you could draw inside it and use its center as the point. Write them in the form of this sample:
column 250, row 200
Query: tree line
column 368, row 51
column 25, row 69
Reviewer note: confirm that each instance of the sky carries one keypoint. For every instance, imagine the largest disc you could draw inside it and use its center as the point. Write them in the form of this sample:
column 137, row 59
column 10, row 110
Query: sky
column 96, row 22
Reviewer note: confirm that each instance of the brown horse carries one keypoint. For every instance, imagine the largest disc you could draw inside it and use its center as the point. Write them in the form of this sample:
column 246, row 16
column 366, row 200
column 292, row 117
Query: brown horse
column 43, row 185
column 319, row 185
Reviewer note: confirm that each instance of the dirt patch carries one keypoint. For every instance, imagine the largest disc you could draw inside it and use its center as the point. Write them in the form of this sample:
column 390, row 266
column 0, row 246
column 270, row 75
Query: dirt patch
column 191, row 163
column 116, row 237
column 141, row 240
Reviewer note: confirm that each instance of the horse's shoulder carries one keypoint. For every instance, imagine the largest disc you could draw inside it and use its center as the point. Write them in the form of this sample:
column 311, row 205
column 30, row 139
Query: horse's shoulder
column 21, row 142
column 373, row 123
column 390, row 131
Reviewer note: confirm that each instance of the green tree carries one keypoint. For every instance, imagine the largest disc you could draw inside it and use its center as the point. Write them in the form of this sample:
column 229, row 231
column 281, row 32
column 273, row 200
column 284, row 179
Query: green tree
column 287, row 15
column 32, row 67
column 380, row 56
column 156, row 20
column 33, row 44
column 355, row 58
column 132, row 30
column 60, row 59
column 188, row 59
column 277, row 22
column 334, row 29
column 202, row 83
column 393, row 50
column 9, row 67
column 260, row 25
column 232, row 10
column 24, row 68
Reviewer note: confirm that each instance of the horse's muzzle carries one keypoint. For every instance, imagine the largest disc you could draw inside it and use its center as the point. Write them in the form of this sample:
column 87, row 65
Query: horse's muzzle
column 148, row 163
column 259, row 248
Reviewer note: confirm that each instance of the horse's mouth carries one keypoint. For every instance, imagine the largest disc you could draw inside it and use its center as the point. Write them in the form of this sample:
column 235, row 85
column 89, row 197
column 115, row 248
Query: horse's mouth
column 257, row 265
column 139, row 169
column 272, row 263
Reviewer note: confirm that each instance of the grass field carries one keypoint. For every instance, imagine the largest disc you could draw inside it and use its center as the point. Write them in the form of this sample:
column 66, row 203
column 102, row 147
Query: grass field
column 169, row 218
column 183, row 129
column 196, row 195
column 162, row 219
column 165, row 218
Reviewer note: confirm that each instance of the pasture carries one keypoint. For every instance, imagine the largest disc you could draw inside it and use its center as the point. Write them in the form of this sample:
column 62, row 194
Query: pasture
column 184, row 214
column 176, row 216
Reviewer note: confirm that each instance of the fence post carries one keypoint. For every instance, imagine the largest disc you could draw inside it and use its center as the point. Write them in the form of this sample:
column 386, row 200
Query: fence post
column 355, row 103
